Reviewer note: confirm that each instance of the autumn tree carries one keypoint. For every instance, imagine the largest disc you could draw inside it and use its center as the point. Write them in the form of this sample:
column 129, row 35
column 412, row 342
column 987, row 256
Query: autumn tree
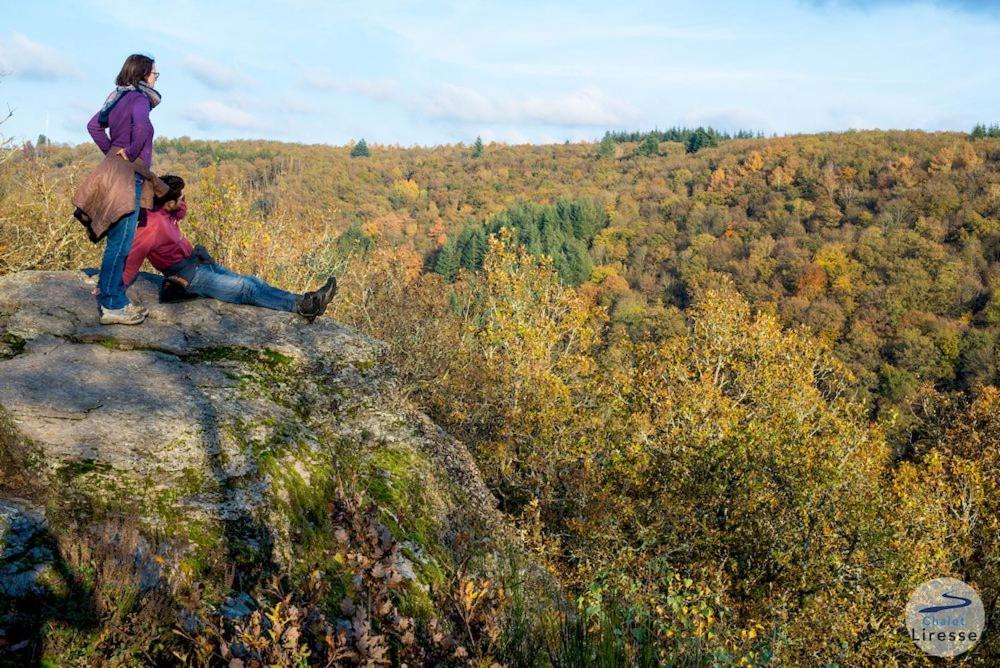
column 947, row 506
column 740, row 452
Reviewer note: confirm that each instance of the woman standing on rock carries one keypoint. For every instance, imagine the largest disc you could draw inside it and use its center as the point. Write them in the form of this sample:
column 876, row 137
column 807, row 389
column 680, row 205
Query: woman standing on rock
column 126, row 115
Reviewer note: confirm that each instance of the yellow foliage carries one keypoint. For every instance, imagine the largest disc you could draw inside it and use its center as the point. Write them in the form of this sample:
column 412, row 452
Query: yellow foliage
column 754, row 162
column 610, row 245
column 842, row 272
column 765, row 464
column 967, row 158
column 778, row 177
column 941, row 162
column 718, row 178
column 406, row 189
column 903, row 164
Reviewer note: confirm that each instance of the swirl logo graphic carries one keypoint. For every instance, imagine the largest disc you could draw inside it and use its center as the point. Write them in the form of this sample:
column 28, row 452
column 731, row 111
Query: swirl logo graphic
column 965, row 602
column 945, row 617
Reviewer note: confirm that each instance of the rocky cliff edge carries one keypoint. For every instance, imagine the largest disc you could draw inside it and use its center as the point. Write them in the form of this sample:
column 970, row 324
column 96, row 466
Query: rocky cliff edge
column 218, row 428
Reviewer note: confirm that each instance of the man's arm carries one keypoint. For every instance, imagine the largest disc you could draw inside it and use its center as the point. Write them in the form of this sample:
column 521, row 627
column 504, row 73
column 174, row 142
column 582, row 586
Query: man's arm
column 144, row 240
column 99, row 134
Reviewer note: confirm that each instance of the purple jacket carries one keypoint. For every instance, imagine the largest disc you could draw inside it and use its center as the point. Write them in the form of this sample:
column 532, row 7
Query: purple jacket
column 130, row 128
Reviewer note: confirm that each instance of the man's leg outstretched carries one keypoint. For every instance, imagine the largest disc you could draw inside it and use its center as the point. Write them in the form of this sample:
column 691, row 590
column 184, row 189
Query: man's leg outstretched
column 217, row 282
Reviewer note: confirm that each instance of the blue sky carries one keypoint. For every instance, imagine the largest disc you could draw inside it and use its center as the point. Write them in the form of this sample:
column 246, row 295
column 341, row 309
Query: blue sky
column 433, row 72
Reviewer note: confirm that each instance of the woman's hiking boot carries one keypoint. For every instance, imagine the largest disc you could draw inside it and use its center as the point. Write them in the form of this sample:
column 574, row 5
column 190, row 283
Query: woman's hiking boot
column 130, row 314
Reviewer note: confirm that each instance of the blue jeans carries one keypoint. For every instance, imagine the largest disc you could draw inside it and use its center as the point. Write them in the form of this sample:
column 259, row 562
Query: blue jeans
column 120, row 235
column 217, row 282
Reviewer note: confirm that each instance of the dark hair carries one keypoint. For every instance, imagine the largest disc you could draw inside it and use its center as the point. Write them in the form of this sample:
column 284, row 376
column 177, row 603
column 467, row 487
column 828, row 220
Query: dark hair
column 136, row 68
column 176, row 185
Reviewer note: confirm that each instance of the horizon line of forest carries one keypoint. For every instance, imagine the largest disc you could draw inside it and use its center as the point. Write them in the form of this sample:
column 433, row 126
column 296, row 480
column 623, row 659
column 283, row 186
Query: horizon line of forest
column 694, row 138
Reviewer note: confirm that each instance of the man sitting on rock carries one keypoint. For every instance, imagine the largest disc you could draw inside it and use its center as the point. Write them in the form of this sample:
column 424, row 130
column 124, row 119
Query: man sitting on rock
column 189, row 271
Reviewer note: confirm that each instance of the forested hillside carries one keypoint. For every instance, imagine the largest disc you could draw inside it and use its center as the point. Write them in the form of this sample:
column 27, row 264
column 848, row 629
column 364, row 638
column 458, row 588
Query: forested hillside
column 883, row 244
column 729, row 390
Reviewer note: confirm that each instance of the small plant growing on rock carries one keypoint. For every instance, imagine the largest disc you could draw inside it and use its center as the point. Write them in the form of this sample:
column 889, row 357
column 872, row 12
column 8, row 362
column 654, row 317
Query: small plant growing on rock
column 348, row 611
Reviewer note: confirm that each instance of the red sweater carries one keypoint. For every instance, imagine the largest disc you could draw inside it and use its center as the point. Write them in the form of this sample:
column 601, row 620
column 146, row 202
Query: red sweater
column 160, row 240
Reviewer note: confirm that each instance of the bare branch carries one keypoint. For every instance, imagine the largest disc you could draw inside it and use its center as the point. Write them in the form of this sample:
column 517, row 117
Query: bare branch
column 6, row 150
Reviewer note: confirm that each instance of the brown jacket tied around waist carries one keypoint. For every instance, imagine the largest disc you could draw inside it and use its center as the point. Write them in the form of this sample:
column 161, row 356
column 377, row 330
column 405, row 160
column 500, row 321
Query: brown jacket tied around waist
column 107, row 194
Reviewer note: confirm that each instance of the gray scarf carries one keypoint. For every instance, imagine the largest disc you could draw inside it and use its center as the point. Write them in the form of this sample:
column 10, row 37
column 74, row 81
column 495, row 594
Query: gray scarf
column 119, row 92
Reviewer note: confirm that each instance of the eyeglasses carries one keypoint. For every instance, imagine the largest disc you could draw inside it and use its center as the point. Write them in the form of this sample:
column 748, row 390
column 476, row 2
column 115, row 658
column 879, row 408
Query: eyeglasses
column 156, row 75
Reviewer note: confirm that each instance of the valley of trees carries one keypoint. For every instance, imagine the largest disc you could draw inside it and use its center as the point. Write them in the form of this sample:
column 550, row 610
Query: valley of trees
column 743, row 389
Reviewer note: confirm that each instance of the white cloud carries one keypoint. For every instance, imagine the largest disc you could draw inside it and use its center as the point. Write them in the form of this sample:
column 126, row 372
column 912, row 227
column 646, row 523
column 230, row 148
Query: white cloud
column 384, row 90
column 581, row 107
column 24, row 58
column 213, row 114
column 586, row 106
column 214, row 75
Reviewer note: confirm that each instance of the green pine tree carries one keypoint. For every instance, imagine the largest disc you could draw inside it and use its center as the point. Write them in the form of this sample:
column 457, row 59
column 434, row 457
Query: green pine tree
column 576, row 265
column 454, row 305
column 608, row 146
column 477, row 148
column 702, row 138
column 649, row 146
column 448, row 260
column 473, row 245
column 360, row 149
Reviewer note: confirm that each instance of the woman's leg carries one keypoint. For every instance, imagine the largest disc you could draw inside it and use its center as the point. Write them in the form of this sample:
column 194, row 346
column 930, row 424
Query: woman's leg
column 217, row 282
column 110, row 286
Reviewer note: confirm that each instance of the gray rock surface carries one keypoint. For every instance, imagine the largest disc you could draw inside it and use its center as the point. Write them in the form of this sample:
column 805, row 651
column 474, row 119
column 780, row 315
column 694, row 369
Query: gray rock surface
column 24, row 555
column 206, row 413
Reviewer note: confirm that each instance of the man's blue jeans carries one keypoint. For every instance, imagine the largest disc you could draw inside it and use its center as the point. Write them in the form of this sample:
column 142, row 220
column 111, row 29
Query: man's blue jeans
column 217, row 282
column 120, row 235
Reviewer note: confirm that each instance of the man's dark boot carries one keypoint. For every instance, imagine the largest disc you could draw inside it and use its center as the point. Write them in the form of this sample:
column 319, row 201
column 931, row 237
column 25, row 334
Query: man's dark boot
column 308, row 306
column 326, row 293
column 313, row 304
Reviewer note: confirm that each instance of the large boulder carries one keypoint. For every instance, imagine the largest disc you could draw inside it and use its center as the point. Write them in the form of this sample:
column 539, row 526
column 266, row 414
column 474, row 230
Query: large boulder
column 215, row 426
